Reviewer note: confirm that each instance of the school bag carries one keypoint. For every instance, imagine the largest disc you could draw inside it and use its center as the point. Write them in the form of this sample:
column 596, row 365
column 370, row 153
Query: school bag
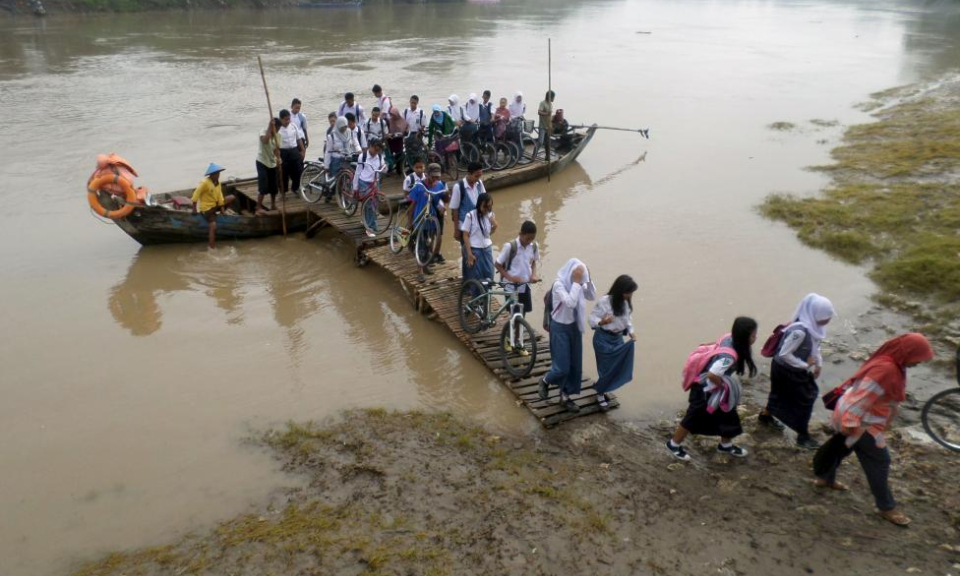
column 772, row 344
column 696, row 363
column 547, row 309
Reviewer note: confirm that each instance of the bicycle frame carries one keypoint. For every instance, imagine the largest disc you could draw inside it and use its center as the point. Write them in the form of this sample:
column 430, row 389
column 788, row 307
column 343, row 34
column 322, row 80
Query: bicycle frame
column 511, row 301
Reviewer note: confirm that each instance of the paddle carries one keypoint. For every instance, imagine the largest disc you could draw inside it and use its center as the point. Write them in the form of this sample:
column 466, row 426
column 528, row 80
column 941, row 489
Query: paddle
column 645, row 132
column 283, row 196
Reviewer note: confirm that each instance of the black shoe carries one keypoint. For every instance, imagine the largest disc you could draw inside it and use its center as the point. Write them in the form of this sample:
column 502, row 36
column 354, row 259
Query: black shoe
column 570, row 405
column 678, row 452
column 602, row 402
column 771, row 422
column 439, row 259
column 732, row 450
column 807, row 443
column 542, row 390
column 427, row 270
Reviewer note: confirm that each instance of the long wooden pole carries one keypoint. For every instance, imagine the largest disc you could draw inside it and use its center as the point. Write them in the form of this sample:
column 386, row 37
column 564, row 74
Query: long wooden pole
column 283, row 196
column 549, row 126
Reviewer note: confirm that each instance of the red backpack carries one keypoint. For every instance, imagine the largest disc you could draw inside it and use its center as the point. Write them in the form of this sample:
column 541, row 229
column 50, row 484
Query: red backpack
column 697, row 360
column 772, row 344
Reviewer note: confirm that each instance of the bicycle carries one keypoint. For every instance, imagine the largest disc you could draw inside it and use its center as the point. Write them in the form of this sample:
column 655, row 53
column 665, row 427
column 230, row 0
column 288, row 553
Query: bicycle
column 316, row 181
column 476, row 310
column 376, row 212
column 520, row 134
column 941, row 415
column 425, row 232
column 445, row 154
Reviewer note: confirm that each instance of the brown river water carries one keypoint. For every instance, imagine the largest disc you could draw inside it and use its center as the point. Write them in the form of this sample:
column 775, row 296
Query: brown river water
column 132, row 376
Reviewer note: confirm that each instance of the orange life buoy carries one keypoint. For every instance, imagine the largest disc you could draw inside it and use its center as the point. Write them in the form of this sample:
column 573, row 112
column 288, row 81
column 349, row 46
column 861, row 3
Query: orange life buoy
column 94, row 199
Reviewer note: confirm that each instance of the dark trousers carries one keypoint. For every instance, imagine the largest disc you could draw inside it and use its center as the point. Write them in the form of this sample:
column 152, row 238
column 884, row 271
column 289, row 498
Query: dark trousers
column 266, row 180
column 292, row 168
column 875, row 462
column 396, row 149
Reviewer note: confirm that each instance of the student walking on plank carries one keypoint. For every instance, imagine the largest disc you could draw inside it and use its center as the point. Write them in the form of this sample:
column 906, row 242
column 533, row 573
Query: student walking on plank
column 476, row 229
column 611, row 323
column 862, row 415
column 569, row 294
column 715, row 390
column 795, row 369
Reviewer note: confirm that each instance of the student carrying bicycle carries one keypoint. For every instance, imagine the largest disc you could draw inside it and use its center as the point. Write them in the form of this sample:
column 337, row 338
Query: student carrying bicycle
column 341, row 143
column 517, row 265
column 429, row 194
column 371, row 166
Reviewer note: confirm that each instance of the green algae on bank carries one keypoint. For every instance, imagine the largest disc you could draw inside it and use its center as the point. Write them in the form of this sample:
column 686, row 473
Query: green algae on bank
column 894, row 204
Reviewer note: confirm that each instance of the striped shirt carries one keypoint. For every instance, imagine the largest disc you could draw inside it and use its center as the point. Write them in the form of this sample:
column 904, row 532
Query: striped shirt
column 865, row 407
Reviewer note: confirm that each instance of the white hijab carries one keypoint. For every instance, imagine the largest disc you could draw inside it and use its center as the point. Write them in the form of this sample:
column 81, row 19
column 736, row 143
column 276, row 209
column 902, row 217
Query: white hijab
column 342, row 132
column 517, row 108
column 589, row 292
column 473, row 107
column 813, row 308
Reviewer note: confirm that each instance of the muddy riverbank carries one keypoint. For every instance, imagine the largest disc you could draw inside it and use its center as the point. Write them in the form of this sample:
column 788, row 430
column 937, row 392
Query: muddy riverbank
column 429, row 494
column 893, row 204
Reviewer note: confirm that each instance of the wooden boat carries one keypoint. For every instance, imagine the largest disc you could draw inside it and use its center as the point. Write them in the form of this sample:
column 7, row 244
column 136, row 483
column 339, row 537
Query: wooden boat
column 355, row 4
column 169, row 217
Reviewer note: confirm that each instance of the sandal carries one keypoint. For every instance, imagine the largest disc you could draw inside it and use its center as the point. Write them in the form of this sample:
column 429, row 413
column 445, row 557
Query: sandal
column 838, row 486
column 895, row 518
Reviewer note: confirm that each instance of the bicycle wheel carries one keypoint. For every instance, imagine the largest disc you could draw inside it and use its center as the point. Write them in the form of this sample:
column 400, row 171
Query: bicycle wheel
column 531, row 147
column 501, row 156
column 345, row 197
column 377, row 214
column 428, row 238
column 450, row 166
column 468, row 153
column 941, row 418
column 311, row 189
column 472, row 305
column 488, row 156
column 399, row 236
column 518, row 365
column 515, row 153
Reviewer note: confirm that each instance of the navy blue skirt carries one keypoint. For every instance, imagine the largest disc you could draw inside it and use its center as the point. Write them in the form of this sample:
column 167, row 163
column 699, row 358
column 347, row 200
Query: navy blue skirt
column 614, row 360
column 482, row 269
column 566, row 357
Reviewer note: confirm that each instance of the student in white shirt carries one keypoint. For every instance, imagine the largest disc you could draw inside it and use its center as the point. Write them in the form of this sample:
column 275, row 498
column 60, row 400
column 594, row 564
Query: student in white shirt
column 517, row 264
column 350, row 106
column 466, row 193
column 412, row 178
column 375, row 126
column 415, row 118
column 518, row 107
column 456, row 111
column 370, row 167
column 611, row 323
column 297, row 117
column 477, row 227
column 569, row 294
column 354, row 128
column 292, row 153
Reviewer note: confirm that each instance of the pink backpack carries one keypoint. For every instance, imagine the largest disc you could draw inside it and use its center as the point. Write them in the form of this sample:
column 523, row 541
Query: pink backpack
column 697, row 360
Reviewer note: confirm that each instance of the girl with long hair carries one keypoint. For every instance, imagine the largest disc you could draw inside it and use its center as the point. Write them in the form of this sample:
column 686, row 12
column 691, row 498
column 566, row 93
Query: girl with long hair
column 614, row 340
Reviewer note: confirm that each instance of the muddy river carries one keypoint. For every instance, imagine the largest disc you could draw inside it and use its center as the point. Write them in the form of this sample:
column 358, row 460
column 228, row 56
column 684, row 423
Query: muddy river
column 131, row 376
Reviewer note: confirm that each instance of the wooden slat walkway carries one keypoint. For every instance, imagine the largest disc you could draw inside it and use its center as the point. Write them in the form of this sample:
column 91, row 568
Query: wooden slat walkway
column 437, row 296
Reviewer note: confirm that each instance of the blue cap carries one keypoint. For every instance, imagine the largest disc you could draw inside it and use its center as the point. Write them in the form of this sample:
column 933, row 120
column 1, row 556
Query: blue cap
column 213, row 169
column 437, row 108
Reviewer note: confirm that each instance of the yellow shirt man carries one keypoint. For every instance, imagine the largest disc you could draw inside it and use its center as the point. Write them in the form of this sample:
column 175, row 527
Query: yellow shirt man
column 207, row 195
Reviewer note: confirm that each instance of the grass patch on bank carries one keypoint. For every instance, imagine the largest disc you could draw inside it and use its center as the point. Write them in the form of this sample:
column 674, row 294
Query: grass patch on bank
column 894, row 204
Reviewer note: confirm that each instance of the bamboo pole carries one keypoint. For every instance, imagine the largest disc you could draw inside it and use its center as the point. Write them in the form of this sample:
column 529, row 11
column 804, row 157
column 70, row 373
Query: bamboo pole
column 546, row 136
column 645, row 132
column 283, row 196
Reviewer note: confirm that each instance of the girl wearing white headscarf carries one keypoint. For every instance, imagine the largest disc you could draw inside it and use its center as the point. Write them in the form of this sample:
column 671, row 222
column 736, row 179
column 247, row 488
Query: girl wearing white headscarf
column 456, row 111
column 795, row 369
column 341, row 142
column 473, row 107
column 568, row 319
column 518, row 107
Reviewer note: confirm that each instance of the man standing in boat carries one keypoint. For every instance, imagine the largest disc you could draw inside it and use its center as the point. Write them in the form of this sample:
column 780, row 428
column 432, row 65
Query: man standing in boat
column 268, row 158
column 208, row 200
column 292, row 153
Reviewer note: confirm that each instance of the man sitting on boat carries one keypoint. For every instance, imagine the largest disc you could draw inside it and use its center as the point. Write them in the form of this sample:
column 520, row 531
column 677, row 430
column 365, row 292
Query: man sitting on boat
column 208, row 200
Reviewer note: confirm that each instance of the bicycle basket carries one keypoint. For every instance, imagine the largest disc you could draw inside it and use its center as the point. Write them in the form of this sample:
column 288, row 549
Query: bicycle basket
column 528, row 125
column 448, row 146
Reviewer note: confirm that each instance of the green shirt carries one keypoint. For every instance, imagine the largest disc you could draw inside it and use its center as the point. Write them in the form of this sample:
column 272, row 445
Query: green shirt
column 266, row 154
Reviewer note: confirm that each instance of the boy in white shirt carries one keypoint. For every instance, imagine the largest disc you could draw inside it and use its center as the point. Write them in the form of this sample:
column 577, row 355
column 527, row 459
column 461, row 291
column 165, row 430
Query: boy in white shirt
column 370, row 167
column 517, row 264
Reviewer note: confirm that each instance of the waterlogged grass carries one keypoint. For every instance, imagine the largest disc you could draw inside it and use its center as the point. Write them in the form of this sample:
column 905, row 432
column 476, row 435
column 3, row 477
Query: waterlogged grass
column 894, row 203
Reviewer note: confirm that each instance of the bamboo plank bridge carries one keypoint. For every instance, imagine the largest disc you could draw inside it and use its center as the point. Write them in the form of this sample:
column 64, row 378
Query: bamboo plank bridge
column 437, row 297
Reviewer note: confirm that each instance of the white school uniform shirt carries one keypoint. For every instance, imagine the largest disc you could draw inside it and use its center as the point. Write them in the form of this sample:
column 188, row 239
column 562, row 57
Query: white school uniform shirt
column 522, row 265
column 384, row 103
column 416, row 120
column 289, row 135
column 565, row 302
column 301, row 121
column 411, row 180
column 457, row 113
column 619, row 323
column 358, row 134
column 473, row 192
column 368, row 169
column 375, row 128
column 479, row 235
column 334, row 147
column 516, row 109
column 356, row 109
column 473, row 110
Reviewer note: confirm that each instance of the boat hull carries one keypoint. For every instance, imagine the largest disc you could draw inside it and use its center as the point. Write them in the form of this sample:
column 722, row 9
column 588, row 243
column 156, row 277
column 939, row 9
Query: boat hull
column 153, row 225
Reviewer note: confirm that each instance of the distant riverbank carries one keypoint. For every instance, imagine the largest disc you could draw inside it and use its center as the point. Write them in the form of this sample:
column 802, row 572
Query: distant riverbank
column 53, row 7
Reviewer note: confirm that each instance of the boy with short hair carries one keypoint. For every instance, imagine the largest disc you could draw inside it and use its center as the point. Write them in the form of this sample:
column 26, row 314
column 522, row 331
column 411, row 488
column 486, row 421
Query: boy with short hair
column 517, row 264
column 350, row 106
column 355, row 130
column 299, row 120
column 431, row 189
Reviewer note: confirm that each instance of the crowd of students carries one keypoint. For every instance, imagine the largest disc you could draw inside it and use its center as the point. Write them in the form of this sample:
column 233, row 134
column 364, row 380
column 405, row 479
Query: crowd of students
column 862, row 407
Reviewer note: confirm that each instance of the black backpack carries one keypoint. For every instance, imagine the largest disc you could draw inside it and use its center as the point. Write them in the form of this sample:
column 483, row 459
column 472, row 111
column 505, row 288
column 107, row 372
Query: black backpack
column 514, row 246
column 547, row 308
